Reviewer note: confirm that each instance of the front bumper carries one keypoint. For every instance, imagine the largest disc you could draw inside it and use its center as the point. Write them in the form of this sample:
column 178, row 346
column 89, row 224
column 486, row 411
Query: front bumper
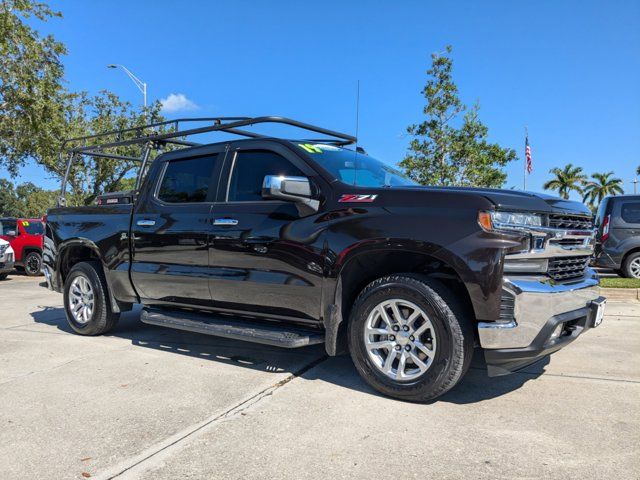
column 7, row 262
column 539, row 306
column 6, row 267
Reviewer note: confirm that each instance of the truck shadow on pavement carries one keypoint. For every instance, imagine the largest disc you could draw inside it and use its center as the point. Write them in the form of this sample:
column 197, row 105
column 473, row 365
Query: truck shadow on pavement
column 475, row 387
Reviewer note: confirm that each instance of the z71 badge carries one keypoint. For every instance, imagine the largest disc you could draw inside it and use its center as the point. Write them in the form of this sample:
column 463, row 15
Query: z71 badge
column 354, row 198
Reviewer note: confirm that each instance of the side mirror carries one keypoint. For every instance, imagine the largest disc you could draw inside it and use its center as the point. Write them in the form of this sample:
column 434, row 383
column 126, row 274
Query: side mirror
column 292, row 189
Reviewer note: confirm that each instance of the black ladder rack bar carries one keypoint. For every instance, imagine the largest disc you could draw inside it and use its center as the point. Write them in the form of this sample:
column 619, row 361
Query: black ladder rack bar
column 340, row 138
column 75, row 147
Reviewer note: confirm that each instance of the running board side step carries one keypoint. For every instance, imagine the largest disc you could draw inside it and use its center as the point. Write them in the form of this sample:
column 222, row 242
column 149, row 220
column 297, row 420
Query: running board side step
column 265, row 333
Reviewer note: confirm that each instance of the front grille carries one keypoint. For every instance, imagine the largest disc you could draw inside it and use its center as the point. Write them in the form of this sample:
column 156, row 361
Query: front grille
column 563, row 268
column 570, row 222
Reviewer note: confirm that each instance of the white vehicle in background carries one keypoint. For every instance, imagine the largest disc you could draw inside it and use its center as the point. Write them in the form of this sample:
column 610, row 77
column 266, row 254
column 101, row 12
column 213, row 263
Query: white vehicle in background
column 7, row 257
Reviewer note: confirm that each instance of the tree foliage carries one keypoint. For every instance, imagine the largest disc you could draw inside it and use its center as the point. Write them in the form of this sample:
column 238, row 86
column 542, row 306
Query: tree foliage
column 37, row 113
column 600, row 186
column 85, row 115
column 25, row 200
column 31, row 90
column 566, row 180
column 441, row 153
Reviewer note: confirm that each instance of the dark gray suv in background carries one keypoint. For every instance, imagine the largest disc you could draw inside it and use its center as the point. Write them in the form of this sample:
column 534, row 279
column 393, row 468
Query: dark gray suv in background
column 618, row 236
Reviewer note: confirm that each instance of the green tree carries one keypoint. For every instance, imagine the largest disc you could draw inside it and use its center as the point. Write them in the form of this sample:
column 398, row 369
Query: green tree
column 566, row 180
column 599, row 187
column 25, row 200
column 85, row 115
column 37, row 113
column 9, row 205
column 34, row 201
column 31, row 91
column 441, row 153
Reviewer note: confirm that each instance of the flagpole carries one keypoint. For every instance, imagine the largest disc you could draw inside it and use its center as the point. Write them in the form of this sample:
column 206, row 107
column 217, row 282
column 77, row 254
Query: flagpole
column 524, row 176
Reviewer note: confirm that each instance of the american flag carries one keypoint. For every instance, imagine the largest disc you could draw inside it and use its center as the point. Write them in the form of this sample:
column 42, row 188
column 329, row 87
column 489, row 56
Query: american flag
column 527, row 154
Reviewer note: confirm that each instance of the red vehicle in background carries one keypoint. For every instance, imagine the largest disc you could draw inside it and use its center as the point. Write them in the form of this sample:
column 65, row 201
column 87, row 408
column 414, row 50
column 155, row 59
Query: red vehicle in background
column 25, row 236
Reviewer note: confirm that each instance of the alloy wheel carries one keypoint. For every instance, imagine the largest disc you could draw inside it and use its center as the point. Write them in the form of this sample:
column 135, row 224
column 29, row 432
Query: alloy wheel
column 33, row 264
column 634, row 267
column 400, row 339
column 81, row 300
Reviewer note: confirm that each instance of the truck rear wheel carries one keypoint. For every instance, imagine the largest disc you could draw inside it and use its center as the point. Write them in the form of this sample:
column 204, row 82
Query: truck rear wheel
column 86, row 300
column 409, row 337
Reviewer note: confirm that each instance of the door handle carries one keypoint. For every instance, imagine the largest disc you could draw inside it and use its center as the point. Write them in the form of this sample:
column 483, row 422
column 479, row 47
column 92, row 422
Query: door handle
column 228, row 222
column 146, row 223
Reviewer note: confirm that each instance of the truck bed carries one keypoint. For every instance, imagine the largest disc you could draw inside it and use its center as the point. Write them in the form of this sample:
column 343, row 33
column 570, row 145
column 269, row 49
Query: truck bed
column 102, row 229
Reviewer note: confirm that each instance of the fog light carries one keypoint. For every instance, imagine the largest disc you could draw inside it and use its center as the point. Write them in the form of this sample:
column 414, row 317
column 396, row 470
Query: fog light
column 528, row 265
column 557, row 332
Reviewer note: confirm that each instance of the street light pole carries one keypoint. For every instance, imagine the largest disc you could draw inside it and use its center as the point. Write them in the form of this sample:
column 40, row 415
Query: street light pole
column 142, row 86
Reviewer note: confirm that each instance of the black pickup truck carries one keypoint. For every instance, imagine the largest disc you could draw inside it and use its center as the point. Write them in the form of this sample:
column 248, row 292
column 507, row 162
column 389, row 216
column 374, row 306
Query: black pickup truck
column 299, row 242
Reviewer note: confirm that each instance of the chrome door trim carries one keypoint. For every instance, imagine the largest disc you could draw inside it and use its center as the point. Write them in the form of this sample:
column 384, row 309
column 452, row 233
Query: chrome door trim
column 226, row 222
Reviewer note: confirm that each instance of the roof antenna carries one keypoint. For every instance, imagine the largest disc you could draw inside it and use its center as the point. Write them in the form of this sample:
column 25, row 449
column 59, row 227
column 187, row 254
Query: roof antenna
column 355, row 154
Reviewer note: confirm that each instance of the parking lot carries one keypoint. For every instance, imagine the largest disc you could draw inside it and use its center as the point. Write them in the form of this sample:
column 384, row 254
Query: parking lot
column 146, row 402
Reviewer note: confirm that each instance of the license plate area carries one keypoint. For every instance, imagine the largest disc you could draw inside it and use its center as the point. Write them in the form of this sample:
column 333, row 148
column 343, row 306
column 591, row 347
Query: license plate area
column 597, row 307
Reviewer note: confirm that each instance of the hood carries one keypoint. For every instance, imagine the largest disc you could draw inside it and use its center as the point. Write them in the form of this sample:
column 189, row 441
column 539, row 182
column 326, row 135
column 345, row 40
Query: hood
column 516, row 200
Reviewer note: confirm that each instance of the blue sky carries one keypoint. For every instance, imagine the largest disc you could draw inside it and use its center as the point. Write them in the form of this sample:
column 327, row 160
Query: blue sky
column 569, row 70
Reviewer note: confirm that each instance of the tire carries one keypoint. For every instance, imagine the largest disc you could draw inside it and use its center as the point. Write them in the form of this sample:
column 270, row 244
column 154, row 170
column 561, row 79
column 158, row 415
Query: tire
column 449, row 325
column 630, row 266
column 3, row 276
column 33, row 264
column 99, row 319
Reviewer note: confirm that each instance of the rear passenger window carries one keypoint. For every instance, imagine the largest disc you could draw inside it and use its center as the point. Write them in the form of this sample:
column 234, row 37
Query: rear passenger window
column 631, row 212
column 187, row 181
column 249, row 170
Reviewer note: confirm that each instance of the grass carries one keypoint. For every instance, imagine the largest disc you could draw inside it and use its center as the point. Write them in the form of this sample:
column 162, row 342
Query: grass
column 620, row 282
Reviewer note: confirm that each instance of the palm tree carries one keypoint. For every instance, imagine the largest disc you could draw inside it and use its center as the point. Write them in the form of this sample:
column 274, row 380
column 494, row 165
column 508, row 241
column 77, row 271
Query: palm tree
column 567, row 179
column 600, row 186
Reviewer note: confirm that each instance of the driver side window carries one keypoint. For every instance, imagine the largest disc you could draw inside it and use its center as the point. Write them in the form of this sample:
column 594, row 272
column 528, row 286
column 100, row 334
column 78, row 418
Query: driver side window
column 249, row 169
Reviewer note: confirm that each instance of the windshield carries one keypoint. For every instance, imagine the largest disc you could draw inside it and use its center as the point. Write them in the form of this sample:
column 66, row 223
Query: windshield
column 355, row 168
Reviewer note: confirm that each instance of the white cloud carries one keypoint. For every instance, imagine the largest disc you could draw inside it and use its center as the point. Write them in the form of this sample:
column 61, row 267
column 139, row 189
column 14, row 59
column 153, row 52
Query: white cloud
column 177, row 102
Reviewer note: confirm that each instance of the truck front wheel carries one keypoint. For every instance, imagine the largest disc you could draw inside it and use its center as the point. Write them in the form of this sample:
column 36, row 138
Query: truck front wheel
column 33, row 264
column 409, row 337
column 86, row 300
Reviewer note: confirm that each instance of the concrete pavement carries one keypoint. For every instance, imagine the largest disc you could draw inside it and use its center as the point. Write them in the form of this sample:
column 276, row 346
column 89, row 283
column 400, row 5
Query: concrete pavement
column 146, row 402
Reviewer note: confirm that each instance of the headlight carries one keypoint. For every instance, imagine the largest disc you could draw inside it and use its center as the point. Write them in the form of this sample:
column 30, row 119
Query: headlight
column 492, row 221
column 3, row 248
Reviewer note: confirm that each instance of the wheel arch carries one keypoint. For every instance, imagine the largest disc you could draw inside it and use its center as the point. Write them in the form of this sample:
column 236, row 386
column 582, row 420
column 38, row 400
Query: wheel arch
column 79, row 250
column 363, row 267
column 28, row 249
column 627, row 255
